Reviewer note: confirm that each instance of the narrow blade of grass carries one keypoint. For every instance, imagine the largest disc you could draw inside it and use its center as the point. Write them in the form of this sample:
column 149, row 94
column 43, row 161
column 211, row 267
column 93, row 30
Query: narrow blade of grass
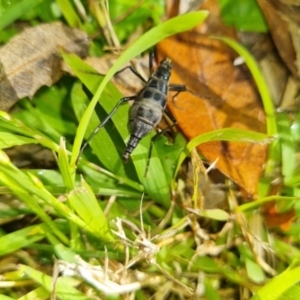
column 224, row 134
column 64, row 167
column 22, row 238
column 83, row 201
column 259, row 80
column 64, row 287
column 278, row 285
column 69, row 13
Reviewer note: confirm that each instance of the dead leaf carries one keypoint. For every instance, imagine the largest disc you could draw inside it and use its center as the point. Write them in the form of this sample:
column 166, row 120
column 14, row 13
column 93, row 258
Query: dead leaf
column 31, row 60
column 284, row 23
column 228, row 98
column 127, row 82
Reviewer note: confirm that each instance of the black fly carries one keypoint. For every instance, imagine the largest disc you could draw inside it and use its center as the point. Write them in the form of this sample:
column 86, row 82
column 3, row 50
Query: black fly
column 147, row 109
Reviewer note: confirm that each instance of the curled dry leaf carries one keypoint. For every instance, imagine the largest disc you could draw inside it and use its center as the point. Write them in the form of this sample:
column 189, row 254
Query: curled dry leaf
column 226, row 97
column 284, row 23
column 31, row 60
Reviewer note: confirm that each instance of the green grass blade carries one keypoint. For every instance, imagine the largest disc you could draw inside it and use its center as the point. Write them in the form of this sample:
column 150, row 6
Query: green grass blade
column 19, row 239
column 224, row 134
column 31, row 190
column 278, row 285
column 69, row 13
column 263, row 89
column 8, row 140
column 12, row 177
column 3, row 297
column 83, row 201
column 260, row 82
column 64, row 167
column 38, row 293
column 255, row 204
column 17, row 10
column 288, row 146
column 64, row 287
column 8, row 123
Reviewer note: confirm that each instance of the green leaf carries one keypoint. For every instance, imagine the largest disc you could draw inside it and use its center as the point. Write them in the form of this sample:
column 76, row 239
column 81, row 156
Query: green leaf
column 278, row 285
column 8, row 123
column 39, row 293
column 288, row 146
column 64, row 286
column 8, row 140
column 63, row 163
column 224, row 134
column 254, row 271
column 83, row 201
column 15, row 11
column 69, row 13
column 31, row 191
column 261, row 201
column 259, row 80
column 245, row 15
column 109, row 143
column 215, row 213
column 19, row 239
column 50, row 111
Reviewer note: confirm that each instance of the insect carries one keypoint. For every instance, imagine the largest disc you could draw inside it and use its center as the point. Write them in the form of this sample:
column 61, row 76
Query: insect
column 147, row 109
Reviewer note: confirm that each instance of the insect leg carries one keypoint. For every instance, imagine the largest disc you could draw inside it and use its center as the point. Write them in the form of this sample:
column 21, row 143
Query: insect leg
column 156, row 136
column 179, row 88
column 107, row 118
column 134, row 71
column 151, row 60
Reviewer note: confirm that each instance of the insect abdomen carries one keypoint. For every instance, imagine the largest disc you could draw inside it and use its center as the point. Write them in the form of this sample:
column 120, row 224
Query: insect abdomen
column 148, row 107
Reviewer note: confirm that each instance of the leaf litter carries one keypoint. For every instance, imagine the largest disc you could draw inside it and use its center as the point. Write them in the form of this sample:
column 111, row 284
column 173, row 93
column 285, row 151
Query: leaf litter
column 31, row 60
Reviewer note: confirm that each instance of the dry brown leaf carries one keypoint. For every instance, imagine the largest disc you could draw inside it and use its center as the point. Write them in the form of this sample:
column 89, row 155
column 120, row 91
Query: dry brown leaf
column 127, row 82
column 229, row 98
column 284, row 23
column 31, row 60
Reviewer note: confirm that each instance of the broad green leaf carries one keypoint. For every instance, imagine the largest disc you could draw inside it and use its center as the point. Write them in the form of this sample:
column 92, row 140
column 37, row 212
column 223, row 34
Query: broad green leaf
column 108, row 144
